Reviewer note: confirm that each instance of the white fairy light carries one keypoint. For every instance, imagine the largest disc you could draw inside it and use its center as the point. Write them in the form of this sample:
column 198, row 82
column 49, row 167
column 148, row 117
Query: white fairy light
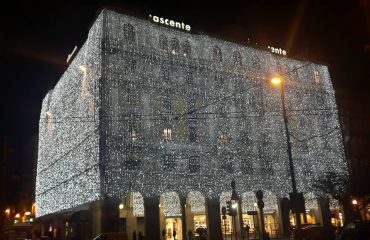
column 154, row 119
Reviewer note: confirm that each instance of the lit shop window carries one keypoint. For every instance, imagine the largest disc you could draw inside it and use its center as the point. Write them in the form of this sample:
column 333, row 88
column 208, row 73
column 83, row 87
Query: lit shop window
column 317, row 76
column 167, row 134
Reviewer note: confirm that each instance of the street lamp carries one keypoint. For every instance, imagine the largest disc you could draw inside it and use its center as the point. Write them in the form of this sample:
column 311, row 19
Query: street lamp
column 277, row 80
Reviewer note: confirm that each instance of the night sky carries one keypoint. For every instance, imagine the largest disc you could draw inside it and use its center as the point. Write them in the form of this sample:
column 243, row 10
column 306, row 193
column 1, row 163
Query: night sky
column 36, row 39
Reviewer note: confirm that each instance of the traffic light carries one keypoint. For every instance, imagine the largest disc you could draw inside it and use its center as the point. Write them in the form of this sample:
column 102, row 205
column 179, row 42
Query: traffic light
column 229, row 208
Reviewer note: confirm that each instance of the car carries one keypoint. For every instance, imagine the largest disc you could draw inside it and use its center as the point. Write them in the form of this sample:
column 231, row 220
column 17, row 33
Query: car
column 313, row 232
column 356, row 230
column 112, row 236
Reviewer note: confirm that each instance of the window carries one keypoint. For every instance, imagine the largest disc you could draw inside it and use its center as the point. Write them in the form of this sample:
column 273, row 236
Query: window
column 167, row 134
column 186, row 49
column 163, row 44
column 224, row 139
column 219, row 80
column 189, row 79
column 128, row 33
column 130, row 66
column 133, row 135
column 194, row 164
column 227, row 165
column 237, row 58
column 217, row 54
column 266, row 165
column 165, row 74
column 132, row 162
column 246, row 166
column 168, row 162
column 175, row 46
column 317, row 76
column 192, row 133
column 256, row 63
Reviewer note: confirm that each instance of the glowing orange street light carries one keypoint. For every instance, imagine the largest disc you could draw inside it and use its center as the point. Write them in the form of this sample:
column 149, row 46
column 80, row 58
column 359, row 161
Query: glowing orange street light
column 17, row 215
column 276, row 80
column 7, row 212
column 354, row 202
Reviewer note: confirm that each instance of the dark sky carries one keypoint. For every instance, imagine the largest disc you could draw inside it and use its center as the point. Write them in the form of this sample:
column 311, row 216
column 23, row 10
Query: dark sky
column 35, row 39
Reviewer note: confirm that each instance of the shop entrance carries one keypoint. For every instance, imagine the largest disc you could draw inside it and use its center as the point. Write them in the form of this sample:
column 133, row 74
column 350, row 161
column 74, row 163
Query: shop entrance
column 173, row 228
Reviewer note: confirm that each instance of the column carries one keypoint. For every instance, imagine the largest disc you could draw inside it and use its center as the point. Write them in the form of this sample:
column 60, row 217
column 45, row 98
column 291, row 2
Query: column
column 213, row 219
column 131, row 223
column 151, row 212
column 324, row 212
column 96, row 217
column 110, row 215
column 189, row 218
column 284, row 209
column 183, row 217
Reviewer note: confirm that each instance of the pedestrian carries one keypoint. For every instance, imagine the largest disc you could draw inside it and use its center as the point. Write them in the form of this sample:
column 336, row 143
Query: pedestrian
column 141, row 236
column 247, row 228
column 174, row 234
column 134, row 235
column 36, row 235
column 190, row 235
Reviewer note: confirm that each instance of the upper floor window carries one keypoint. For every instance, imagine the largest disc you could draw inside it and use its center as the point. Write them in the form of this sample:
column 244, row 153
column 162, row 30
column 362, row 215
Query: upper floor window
column 317, row 76
column 175, row 46
column 194, row 164
column 217, row 54
column 192, row 133
column 163, row 43
column 168, row 162
column 186, row 48
column 256, row 63
column 224, row 138
column 133, row 135
column 128, row 33
column 237, row 59
column 246, row 166
column 167, row 133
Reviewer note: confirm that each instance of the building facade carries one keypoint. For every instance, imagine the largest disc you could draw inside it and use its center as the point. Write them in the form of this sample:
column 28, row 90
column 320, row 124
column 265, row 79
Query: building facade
column 155, row 122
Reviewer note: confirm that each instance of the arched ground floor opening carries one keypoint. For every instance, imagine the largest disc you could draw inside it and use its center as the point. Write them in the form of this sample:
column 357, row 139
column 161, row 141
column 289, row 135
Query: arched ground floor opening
column 175, row 216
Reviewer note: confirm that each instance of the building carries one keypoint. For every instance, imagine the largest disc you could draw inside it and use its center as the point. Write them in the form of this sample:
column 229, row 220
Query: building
column 150, row 123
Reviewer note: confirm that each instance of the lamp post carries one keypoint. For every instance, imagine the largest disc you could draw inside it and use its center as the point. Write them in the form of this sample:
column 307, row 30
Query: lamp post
column 279, row 81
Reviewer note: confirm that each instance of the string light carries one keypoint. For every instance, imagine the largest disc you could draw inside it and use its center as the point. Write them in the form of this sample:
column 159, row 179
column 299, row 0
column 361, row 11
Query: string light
column 122, row 74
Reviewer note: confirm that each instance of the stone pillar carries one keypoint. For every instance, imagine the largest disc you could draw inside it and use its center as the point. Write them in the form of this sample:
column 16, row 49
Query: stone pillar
column 183, row 217
column 95, row 217
column 131, row 223
column 284, row 209
column 279, row 219
column 324, row 212
column 213, row 216
column 110, row 215
column 151, row 212
column 189, row 218
column 162, row 217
